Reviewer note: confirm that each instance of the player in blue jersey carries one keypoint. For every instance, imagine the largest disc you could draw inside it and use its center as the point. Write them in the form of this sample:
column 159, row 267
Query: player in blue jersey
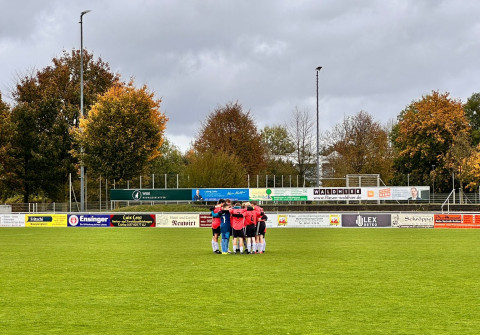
column 225, row 227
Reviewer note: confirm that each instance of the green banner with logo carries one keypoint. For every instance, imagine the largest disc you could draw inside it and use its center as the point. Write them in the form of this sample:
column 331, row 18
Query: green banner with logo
column 151, row 195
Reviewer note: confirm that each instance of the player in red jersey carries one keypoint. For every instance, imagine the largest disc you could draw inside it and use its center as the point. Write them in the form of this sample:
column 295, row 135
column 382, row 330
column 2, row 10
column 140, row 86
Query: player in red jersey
column 216, row 225
column 237, row 222
column 260, row 229
column 251, row 217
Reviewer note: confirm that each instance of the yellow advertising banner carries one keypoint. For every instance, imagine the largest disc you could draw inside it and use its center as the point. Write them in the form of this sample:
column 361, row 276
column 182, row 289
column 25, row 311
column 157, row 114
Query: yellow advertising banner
column 45, row 220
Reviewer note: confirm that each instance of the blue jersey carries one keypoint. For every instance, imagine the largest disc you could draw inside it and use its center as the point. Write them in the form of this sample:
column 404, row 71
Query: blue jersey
column 225, row 221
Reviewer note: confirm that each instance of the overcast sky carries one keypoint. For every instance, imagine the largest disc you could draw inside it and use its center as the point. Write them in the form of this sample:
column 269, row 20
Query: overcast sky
column 197, row 55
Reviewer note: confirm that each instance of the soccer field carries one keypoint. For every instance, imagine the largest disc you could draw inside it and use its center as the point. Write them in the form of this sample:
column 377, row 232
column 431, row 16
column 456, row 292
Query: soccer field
column 168, row 281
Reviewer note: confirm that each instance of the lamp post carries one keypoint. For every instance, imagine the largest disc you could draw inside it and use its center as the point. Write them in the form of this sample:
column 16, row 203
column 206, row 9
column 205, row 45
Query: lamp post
column 82, row 168
column 318, row 140
column 433, row 172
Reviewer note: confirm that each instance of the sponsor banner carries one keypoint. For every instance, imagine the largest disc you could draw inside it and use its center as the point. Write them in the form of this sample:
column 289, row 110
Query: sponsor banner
column 12, row 220
column 412, row 193
column 290, row 194
column 88, row 220
column 278, row 194
column 457, row 220
column 309, row 220
column 366, row 220
column 413, row 220
column 215, row 194
column 272, row 220
column 206, row 220
column 45, row 220
column 336, row 193
column 151, row 195
column 132, row 220
column 260, row 194
column 178, row 220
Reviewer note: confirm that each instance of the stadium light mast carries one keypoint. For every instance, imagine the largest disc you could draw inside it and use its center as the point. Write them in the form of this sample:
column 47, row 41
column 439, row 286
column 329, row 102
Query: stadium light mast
column 82, row 168
column 318, row 139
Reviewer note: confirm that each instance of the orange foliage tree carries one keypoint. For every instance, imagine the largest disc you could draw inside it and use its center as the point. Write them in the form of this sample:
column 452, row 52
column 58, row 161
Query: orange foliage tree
column 228, row 129
column 122, row 133
column 423, row 139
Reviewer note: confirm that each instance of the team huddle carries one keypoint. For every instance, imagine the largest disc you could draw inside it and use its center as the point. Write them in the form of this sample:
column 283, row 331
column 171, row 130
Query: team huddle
column 245, row 223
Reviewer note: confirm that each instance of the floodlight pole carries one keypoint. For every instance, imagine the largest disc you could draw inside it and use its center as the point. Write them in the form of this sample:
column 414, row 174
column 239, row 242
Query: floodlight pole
column 318, row 140
column 82, row 168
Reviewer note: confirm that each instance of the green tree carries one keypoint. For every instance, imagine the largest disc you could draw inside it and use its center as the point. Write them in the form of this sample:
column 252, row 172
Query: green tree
column 472, row 112
column 169, row 161
column 46, row 107
column 422, row 138
column 122, row 133
column 276, row 141
column 6, row 162
column 215, row 169
column 230, row 130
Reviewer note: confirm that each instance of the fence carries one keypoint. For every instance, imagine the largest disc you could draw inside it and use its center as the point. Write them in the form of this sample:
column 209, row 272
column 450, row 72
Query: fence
column 458, row 197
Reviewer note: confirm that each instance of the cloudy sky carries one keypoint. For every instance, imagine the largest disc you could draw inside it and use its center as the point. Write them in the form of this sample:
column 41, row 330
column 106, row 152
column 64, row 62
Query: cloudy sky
column 196, row 55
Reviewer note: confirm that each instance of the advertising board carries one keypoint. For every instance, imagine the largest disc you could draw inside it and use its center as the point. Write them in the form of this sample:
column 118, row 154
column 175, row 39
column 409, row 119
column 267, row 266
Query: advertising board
column 132, row 220
column 12, row 220
column 366, row 220
column 412, row 220
column 309, row 220
column 205, row 220
column 88, row 220
column 215, row 194
column 45, row 220
column 457, row 220
column 151, row 195
column 178, row 220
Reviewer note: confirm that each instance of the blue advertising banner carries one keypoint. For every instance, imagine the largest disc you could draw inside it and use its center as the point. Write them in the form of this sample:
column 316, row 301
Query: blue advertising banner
column 88, row 220
column 214, row 194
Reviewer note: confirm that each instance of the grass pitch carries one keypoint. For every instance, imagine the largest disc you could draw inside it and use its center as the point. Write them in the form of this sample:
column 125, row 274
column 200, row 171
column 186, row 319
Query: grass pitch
column 168, row 281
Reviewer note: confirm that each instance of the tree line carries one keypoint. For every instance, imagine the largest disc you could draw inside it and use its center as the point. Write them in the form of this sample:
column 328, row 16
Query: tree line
column 44, row 138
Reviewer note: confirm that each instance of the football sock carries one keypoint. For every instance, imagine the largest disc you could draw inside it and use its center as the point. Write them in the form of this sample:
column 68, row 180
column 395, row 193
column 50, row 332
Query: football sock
column 213, row 245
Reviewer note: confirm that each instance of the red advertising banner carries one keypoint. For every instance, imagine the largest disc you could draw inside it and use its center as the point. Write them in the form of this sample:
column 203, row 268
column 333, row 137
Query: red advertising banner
column 457, row 221
column 205, row 220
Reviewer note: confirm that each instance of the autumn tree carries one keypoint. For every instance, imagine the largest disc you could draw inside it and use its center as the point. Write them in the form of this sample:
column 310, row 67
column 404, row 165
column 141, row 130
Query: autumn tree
column 359, row 145
column 215, row 169
column 46, row 107
column 232, row 131
column 423, row 137
column 122, row 133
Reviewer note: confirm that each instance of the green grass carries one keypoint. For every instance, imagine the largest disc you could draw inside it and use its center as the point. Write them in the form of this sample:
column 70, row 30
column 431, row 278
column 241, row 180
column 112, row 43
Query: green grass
column 310, row 281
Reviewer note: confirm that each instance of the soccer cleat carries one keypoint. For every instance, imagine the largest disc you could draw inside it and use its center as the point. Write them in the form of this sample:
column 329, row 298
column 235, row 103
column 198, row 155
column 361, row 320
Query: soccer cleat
column 217, row 252
column 224, row 253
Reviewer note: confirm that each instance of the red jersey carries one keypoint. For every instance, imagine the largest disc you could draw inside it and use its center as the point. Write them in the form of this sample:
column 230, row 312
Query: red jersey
column 216, row 220
column 237, row 218
column 251, row 217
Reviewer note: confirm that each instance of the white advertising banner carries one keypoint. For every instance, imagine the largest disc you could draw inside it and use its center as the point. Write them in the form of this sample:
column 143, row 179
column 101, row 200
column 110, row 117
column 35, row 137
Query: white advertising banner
column 272, row 220
column 12, row 220
column 178, row 220
column 413, row 220
column 413, row 193
column 309, row 220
